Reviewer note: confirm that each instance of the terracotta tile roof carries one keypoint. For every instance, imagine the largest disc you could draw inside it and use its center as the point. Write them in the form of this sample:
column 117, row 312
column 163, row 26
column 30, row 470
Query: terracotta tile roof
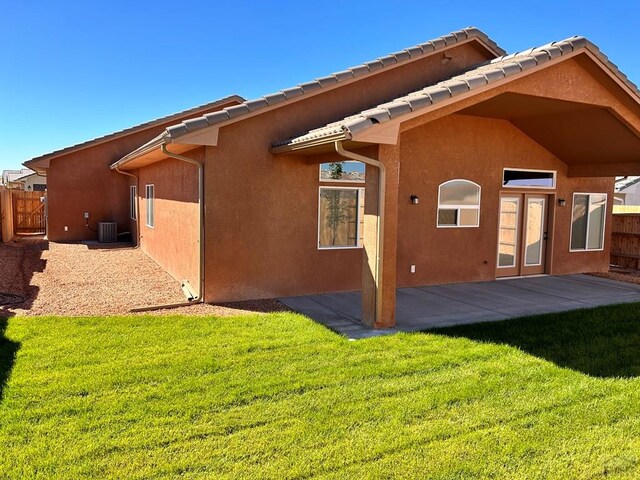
column 251, row 106
column 476, row 77
column 142, row 126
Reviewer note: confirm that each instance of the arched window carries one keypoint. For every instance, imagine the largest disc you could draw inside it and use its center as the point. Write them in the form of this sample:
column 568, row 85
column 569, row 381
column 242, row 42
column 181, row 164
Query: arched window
column 458, row 204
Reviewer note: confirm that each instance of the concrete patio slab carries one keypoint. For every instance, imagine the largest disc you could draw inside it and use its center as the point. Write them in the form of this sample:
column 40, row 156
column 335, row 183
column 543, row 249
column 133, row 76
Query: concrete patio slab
column 424, row 308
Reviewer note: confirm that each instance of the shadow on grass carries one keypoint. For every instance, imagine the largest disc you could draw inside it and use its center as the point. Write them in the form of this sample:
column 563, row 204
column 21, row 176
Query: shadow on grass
column 8, row 351
column 602, row 342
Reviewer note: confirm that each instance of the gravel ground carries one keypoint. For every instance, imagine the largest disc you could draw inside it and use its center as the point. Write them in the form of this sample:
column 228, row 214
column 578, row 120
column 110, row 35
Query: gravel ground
column 83, row 280
column 620, row 274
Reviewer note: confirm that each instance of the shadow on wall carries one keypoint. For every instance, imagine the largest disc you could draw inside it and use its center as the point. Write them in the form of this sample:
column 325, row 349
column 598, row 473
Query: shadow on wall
column 602, row 342
column 8, row 351
column 18, row 262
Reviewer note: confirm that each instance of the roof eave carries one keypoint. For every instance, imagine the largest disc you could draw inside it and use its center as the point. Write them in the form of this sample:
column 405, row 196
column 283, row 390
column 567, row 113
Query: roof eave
column 186, row 129
column 39, row 166
column 583, row 46
column 157, row 142
column 130, row 131
column 312, row 143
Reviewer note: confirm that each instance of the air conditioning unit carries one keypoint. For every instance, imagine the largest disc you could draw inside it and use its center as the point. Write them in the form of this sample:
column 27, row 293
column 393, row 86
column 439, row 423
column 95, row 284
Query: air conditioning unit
column 107, row 232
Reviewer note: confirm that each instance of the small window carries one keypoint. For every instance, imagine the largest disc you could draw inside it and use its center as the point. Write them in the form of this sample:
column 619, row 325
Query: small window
column 150, row 205
column 348, row 171
column 340, row 217
column 588, row 217
column 516, row 178
column 132, row 202
column 458, row 204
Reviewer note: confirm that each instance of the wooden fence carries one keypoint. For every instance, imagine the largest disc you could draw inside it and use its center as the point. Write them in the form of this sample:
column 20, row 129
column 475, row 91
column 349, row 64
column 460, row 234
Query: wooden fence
column 625, row 240
column 28, row 212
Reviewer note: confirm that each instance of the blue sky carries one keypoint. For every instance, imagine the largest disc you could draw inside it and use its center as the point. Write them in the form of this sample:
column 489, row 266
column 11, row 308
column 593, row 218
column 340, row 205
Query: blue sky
column 74, row 70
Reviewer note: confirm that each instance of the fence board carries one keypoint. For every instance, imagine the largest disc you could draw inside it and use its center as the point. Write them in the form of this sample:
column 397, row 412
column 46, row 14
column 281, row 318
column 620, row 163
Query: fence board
column 625, row 240
column 28, row 212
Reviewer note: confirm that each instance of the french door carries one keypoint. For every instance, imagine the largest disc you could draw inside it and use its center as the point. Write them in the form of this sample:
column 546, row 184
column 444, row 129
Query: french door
column 522, row 234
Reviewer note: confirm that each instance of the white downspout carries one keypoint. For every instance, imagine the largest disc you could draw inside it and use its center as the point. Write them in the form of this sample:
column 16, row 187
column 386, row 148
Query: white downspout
column 137, row 206
column 380, row 227
column 200, row 165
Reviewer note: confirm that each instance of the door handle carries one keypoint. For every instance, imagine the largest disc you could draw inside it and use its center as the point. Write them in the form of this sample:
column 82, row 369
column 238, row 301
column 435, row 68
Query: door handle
column 545, row 236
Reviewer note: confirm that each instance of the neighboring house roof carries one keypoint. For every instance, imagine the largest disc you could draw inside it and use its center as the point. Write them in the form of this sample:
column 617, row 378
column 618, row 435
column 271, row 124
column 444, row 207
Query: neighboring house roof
column 625, row 183
column 482, row 75
column 127, row 131
column 15, row 175
column 237, row 112
column 28, row 175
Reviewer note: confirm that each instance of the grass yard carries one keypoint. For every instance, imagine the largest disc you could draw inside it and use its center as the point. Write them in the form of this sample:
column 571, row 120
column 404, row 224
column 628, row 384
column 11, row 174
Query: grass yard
column 277, row 396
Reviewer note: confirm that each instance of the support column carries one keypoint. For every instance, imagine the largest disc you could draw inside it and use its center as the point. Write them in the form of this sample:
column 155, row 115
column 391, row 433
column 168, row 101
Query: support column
column 380, row 241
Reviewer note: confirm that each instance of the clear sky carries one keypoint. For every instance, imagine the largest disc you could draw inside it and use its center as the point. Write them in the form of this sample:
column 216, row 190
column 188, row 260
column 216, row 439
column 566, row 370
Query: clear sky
column 72, row 70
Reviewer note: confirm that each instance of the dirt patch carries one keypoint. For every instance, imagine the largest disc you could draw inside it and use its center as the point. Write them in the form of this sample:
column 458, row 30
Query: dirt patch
column 76, row 280
column 620, row 274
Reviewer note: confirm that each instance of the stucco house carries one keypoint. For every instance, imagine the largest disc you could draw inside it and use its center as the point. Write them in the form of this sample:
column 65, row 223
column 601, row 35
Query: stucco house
column 32, row 182
column 449, row 161
column 12, row 178
column 627, row 190
column 80, row 182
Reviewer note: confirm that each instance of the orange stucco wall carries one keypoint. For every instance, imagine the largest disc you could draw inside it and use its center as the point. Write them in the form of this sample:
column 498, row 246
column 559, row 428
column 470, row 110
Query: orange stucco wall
column 81, row 182
column 174, row 239
column 477, row 149
column 271, row 250
column 261, row 219
column 261, row 216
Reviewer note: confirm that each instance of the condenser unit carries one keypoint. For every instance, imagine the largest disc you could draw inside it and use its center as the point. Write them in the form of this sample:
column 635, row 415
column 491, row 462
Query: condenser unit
column 107, row 232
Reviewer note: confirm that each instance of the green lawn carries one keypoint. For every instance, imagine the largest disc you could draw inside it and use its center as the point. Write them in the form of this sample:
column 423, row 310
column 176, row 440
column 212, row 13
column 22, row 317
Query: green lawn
column 277, row 396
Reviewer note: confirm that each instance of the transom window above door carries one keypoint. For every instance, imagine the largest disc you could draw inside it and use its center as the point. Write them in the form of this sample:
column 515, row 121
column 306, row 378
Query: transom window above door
column 458, row 204
column 520, row 178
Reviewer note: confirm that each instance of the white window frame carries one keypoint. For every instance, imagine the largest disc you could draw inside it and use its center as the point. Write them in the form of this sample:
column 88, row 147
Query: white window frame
column 335, row 180
column 150, row 202
column 458, row 207
column 358, row 219
column 527, row 217
column 133, row 194
column 516, row 237
column 554, row 172
column 604, row 222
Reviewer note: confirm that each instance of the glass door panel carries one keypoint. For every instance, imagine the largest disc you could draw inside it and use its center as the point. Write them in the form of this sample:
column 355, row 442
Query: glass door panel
column 534, row 235
column 535, row 232
column 508, row 236
column 522, row 235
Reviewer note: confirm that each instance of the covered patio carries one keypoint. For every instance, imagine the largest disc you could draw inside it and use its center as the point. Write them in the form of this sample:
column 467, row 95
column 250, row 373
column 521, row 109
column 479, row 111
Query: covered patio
column 567, row 97
column 434, row 306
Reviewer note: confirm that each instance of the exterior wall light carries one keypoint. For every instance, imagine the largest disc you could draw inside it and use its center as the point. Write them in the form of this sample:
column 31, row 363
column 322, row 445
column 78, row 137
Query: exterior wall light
column 415, row 200
column 562, row 202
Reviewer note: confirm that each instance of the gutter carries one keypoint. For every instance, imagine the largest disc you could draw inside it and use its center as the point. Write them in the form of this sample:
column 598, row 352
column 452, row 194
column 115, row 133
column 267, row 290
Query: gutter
column 159, row 141
column 380, row 227
column 200, row 296
column 334, row 138
column 115, row 167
